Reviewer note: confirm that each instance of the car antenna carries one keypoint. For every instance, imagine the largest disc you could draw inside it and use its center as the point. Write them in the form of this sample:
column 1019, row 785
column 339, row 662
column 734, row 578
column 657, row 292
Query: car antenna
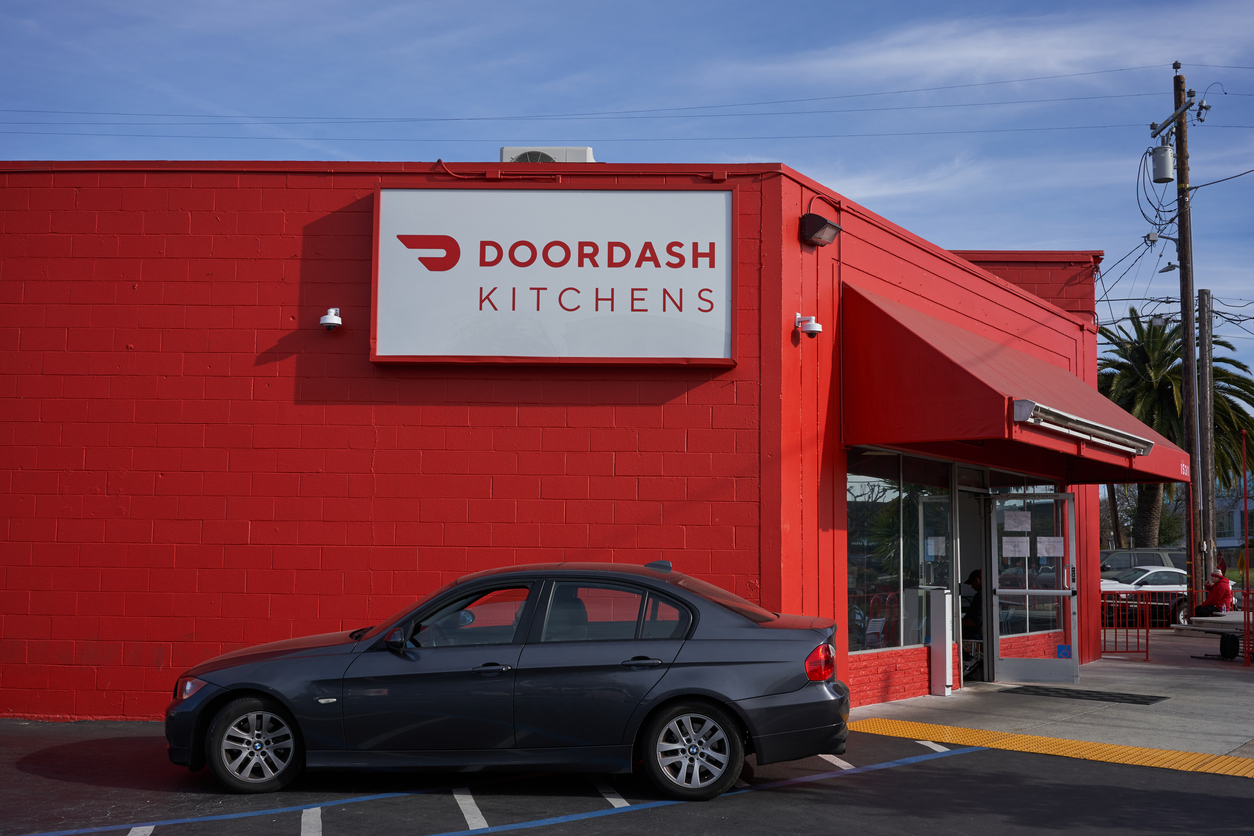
column 663, row 566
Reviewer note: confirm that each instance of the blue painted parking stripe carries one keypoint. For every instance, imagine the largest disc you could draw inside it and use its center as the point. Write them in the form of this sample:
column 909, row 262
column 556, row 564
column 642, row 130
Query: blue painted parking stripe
column 805, row 779
column 229, row 816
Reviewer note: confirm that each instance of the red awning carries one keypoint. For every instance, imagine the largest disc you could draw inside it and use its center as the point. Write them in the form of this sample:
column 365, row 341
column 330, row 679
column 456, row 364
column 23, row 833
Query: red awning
column 913, row 381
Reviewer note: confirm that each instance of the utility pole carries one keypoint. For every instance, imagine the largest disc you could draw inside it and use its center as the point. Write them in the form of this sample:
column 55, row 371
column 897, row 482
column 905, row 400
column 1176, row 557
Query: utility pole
column 1188, row 346
column 1206, row 423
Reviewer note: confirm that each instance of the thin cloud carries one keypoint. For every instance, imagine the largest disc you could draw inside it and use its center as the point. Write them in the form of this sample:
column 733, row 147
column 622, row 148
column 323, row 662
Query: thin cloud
column 988, row 49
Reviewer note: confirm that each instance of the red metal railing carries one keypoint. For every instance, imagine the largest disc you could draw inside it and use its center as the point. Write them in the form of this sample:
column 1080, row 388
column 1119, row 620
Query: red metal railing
column 1126, row 618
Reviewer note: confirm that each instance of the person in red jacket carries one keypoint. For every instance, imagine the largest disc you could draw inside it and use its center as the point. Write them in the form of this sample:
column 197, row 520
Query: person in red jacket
column 1218, row 596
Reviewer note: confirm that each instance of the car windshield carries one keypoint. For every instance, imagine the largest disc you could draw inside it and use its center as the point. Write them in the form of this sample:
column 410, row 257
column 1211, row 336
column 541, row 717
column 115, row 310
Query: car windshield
column 1131, row 575
column 725, row 599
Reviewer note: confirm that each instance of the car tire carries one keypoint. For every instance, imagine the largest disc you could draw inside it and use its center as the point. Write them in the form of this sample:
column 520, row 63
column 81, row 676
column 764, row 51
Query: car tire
column 254, row 746
column 693, row 751
column 1180, row 613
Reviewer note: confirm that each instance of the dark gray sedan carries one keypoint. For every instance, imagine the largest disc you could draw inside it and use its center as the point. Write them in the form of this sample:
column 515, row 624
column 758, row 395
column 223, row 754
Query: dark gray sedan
column 589, row 666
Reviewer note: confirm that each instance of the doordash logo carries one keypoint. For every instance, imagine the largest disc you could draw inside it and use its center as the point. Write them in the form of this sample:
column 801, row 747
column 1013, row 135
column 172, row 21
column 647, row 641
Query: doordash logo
column 445, row 243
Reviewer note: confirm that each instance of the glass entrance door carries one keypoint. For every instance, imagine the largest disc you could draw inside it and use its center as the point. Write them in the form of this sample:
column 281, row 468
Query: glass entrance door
column 1034, row 623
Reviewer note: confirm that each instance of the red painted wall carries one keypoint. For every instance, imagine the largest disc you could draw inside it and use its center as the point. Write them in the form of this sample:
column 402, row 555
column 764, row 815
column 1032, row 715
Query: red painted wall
column 194, row 465
column 1032, row 645
column 887, row 675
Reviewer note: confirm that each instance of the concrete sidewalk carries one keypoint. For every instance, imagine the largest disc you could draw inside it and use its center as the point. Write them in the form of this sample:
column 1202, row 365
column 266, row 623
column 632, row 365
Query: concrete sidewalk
column 1209, row 705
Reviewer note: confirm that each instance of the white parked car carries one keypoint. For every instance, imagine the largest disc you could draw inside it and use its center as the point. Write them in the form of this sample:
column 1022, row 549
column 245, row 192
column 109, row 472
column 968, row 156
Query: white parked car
column 1167, row 588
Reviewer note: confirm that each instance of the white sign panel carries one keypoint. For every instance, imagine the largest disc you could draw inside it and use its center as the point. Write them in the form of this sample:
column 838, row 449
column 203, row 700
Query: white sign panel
column 1018, row 521
column 516, row 274
column 1049, row 547
column 1016, row 546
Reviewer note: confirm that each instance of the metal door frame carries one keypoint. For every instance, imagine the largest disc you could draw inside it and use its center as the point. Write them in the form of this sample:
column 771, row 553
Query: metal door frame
column 1032, row 670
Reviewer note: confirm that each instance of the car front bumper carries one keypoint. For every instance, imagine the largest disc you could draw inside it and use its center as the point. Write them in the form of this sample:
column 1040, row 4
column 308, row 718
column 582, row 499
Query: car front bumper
column 184, row 728
column 806, row 722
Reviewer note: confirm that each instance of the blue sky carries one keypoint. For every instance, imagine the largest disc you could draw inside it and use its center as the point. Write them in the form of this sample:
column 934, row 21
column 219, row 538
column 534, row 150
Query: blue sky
column 976, row 156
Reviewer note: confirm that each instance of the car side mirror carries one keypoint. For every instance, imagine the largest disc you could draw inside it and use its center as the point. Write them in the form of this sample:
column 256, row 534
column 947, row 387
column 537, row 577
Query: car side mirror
column 395, row 639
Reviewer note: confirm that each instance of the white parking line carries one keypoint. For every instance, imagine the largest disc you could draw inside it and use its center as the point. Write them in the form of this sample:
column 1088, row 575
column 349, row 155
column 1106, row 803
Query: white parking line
column 141, row 831
column 832, row 759
column 474, row 819
column 311, row 822
column 935, row 747
column 611, row 796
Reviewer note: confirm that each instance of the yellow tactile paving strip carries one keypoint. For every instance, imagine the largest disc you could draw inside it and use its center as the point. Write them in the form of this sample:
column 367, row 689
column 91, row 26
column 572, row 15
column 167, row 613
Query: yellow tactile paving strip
column 1084, row 750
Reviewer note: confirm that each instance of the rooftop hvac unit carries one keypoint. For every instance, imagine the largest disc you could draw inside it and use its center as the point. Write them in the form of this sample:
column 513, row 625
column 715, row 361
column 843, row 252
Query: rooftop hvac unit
column 530, row 154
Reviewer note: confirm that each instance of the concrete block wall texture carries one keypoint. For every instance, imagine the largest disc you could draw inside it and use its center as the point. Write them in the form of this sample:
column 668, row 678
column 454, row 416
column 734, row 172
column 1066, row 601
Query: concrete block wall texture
column 1068, row 279
column 1033, row 645
column 193, row 465
column 898, row 674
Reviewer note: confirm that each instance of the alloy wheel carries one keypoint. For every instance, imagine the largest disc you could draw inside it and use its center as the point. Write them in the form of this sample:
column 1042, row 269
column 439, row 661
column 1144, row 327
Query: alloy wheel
column 257, row 747
column 693, row 751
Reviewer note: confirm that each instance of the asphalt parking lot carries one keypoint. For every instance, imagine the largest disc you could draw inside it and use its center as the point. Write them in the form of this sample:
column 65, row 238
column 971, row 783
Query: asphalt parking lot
column 99, row 777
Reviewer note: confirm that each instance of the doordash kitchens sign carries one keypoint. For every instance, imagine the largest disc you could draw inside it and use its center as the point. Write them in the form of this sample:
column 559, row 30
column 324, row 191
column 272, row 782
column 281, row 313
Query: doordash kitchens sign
column 550, row 275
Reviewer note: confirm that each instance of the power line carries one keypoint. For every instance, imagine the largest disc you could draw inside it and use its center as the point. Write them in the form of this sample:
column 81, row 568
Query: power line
column 1224, row 180
column 350, row 120
column 518, row 141
column 684, row 107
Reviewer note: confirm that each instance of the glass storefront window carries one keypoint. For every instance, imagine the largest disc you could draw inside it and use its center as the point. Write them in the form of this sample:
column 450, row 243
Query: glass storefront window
column 926, row 542
column 874, row 536
column 1029, row 547
column 1001, row 482
column 900, row 546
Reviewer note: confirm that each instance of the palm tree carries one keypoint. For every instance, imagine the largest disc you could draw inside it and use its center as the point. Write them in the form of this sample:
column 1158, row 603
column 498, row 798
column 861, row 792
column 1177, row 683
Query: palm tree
column 1141, row 372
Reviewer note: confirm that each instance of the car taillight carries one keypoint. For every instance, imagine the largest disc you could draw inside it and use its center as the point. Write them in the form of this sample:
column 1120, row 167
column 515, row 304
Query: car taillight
column 821, row 663
column 187, row 686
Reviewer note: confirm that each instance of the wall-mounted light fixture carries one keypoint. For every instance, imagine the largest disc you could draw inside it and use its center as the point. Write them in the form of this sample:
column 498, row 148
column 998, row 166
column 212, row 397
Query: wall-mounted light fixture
column 1030, row 412
column 332, row 320
column 817, row 230
column 808, row 325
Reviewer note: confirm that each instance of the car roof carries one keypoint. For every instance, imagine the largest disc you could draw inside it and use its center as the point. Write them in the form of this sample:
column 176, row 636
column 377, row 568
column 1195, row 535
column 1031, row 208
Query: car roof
column 623, row 569
column 1148, row 569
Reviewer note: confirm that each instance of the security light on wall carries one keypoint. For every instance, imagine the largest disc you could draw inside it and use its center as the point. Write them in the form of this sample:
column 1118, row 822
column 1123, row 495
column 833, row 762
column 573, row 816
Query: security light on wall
column 818, row 230
column 332, row 320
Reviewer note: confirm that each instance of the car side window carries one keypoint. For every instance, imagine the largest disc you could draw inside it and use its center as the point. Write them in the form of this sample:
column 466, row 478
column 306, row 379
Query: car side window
column 1180, row 560
column 1120, row 560
column 586, row 612
column 484, row 617
column 664, row 619
column 1161, row 579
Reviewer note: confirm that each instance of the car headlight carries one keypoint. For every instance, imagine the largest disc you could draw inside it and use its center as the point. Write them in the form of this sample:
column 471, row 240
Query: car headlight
column 187, row 686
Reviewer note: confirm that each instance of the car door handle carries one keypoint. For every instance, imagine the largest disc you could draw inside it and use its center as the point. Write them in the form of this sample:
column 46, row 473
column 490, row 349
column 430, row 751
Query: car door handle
column 641, row 662
column 491, row 669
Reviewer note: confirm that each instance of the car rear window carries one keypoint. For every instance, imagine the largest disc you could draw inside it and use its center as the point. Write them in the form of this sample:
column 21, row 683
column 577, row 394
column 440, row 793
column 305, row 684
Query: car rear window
column 727, row 600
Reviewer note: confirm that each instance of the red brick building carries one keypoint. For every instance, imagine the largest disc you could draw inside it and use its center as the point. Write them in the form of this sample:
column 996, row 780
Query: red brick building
column 193, row 464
